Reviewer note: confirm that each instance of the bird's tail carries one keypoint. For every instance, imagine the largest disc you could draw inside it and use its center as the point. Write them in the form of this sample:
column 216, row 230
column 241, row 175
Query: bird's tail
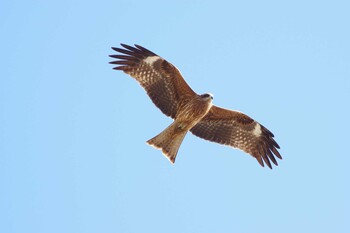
column 169, row 141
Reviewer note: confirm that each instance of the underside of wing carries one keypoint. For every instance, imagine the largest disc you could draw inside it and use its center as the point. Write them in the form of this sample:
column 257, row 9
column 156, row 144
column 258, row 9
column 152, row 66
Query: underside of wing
column 162, row 81
column 240, row 131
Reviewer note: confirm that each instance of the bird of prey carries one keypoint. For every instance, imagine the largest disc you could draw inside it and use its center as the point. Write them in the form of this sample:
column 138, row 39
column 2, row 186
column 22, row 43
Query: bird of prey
column 168, row 90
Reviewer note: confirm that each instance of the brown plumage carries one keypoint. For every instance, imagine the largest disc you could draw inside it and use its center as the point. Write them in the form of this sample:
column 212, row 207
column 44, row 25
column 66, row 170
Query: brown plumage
column 168, row 90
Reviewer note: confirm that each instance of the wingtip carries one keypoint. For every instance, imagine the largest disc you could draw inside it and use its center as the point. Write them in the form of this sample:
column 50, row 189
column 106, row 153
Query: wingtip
column 268, row 163
column 260, row 161
column 138, row 46
column 275, row 151
column 119, row 68
column 124, row 45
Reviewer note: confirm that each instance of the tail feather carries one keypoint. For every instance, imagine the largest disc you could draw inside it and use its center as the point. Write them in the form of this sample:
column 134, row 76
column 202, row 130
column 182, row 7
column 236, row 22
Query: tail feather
column 169, row 141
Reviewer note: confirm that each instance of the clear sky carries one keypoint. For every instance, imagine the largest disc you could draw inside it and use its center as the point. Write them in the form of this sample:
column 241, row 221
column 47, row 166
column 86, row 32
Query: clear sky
column 73, row 156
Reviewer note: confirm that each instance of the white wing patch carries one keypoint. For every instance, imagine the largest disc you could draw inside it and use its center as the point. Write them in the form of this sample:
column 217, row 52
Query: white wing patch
column 151, row 60
column 257, row 130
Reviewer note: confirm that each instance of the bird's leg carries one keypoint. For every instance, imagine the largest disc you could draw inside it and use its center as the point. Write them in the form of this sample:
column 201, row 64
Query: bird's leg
column 181, row 126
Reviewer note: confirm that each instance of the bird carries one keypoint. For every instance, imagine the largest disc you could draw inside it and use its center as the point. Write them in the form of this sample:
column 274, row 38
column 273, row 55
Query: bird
column 192, row 112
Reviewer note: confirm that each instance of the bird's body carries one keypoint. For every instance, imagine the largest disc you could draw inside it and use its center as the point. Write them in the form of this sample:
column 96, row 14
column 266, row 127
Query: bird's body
column 192, row 112
column 171, row 138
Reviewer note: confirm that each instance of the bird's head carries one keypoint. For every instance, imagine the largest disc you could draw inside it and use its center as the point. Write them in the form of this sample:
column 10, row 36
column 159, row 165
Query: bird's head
column 207, row 96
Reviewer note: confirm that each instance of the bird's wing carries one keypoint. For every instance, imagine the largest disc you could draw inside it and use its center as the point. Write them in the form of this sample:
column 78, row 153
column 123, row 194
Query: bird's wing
column 162, row 81
column 240, row 131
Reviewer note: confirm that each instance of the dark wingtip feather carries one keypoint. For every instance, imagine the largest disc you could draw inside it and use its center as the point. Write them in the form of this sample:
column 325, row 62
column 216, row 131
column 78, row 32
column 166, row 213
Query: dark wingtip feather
column 150, row 53
column 140, row 47
column 273, row 142
column 120, row 68
column 275, row 151
column 265, row 130
column 271, row 157
column 131, row 48
column 267, row 161
column 276, row 144
column 260, row 161
column 115, row 49
column 265, row 158
column 122, row 62
column 124, row 51
column 270, row 146
column 129, row 53
column 124, row 57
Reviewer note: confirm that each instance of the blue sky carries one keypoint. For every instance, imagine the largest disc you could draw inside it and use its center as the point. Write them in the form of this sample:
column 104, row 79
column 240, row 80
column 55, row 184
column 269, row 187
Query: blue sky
column 73, row 156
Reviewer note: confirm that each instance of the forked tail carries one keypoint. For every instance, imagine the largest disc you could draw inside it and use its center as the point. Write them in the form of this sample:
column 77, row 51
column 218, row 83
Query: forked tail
column 169, row 141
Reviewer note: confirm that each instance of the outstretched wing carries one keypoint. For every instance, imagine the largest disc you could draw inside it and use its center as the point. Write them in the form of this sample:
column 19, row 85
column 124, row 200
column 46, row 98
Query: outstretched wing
column 162, row 81
column 240, row 131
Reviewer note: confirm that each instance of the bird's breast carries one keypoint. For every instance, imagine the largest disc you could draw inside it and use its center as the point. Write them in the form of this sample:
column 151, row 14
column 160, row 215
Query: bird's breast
column 191, row 112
